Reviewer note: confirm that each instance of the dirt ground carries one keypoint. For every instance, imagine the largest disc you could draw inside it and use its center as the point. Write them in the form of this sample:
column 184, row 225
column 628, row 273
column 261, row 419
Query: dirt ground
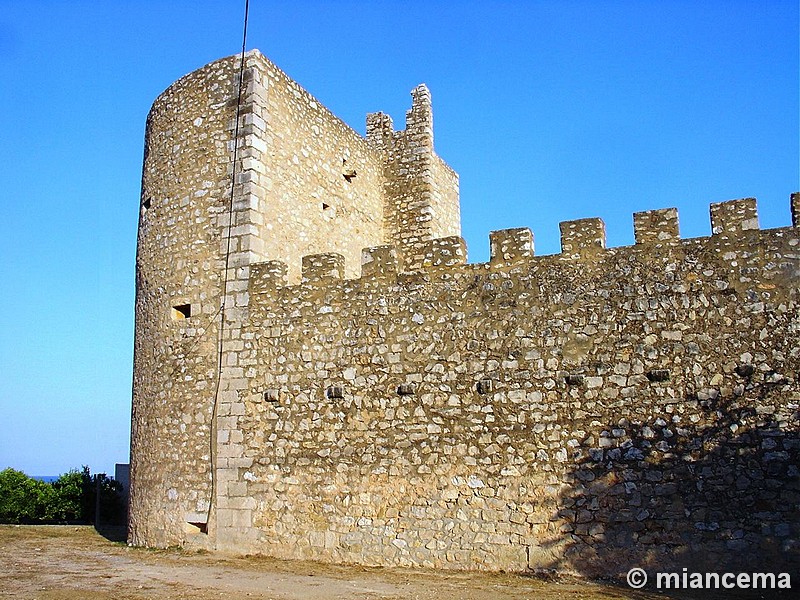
column 76, row 563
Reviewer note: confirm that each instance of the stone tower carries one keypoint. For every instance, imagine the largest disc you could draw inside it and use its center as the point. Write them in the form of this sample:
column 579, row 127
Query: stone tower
column 306, row 183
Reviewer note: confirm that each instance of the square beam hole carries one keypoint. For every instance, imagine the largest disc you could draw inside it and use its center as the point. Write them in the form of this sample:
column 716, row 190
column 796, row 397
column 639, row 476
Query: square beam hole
column 181, row 311
column 328, row 211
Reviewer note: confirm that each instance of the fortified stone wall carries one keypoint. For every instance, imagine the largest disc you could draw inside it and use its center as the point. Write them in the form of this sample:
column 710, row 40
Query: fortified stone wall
column 589, row 411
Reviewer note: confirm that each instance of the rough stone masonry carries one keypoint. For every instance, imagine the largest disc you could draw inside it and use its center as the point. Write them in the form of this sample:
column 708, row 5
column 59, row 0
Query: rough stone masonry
column 373, row 398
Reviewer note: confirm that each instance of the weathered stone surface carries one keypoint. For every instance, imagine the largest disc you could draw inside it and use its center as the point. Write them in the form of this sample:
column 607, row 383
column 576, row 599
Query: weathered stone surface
column 588, row 411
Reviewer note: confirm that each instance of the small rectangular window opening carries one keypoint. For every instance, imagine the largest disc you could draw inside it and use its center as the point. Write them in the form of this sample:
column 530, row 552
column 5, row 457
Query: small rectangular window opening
column 181, row 311
column 146, row 203
column 200, row 527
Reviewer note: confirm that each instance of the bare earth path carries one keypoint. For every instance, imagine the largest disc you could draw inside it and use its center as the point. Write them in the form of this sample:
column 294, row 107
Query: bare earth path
column 76, row 563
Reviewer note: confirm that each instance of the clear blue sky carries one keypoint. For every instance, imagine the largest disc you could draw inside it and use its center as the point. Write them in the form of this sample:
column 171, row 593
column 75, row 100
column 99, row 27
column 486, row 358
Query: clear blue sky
column 549, row 110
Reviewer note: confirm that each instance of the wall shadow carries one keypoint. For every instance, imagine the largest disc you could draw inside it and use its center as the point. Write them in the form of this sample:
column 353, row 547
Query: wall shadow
column 716, row 489
column 113, row 533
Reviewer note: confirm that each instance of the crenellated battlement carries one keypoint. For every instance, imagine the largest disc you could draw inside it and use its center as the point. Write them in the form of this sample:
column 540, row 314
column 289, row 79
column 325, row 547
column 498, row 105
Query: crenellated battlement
column 318, row 268
column 510, row 246
column 379, row 262
column 730, row 218
column 581, row 240
column 656, row 226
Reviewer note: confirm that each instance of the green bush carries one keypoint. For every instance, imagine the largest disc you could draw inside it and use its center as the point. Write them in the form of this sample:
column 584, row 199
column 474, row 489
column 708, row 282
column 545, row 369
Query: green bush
column 69, row 499
column 22, row 499
column 71, row 490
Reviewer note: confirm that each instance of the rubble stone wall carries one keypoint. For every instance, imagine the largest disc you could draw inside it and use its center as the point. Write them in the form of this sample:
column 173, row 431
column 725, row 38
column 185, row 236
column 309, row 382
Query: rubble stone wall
column 589, row 411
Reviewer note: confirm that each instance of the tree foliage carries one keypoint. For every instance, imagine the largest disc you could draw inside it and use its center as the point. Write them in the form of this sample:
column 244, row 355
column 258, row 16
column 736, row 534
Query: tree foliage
column 72, row 498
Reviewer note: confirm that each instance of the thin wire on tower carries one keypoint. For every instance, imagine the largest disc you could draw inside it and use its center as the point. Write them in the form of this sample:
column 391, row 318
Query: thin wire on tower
column 213, row 451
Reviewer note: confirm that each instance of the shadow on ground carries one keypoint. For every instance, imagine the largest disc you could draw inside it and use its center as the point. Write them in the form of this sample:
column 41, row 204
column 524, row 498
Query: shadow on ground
column 113, row 533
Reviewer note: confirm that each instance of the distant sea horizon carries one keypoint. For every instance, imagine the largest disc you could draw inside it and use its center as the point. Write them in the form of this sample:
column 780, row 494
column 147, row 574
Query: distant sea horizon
column 45, row 478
